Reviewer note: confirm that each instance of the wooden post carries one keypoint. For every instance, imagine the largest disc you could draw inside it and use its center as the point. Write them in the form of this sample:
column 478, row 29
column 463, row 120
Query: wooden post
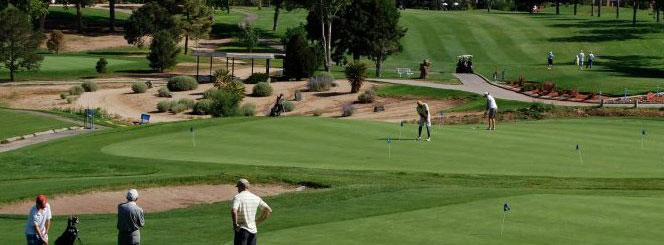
column 197, row 65
column 227, row 63
column 267, row 67
column 233, row 67
column 252, row 65
column 210, row 68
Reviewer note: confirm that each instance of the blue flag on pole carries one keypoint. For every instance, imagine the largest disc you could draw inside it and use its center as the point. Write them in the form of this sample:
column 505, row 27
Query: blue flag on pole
column 506, row 207
column 643, row 132
column 389, row 140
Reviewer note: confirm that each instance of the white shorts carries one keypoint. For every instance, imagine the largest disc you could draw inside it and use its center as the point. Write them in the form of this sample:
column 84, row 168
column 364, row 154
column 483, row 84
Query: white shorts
column 424, row 121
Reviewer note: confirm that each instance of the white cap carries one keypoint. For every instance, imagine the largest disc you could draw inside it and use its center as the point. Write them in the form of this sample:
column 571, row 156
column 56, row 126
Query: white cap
column 486, row 93
column 132, row 195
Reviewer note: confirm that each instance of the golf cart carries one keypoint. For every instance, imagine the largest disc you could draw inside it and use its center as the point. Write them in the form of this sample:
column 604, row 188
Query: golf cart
column 464, row 64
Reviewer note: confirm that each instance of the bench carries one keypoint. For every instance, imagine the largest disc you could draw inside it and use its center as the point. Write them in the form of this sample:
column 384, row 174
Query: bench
column 402, row 71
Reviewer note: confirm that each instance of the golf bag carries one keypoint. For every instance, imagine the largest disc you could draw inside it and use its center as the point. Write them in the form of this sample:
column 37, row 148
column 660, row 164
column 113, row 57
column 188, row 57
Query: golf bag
column 278, row 107
column 70, row 235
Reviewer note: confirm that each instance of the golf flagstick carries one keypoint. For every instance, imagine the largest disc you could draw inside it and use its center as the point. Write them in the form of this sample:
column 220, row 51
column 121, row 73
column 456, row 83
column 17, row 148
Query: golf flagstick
column 643, row 135
column 193, row 137
column 441, row 118
column 400, row 129
column 578, row 149
column 506, row 207
column 389, row 147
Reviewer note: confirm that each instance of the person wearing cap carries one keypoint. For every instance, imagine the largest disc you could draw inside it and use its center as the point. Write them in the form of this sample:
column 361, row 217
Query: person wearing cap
column 549, row 59
column 425, row 119
column 243, row 213
column 130, row 220
column 39, row 222
column 491, row 110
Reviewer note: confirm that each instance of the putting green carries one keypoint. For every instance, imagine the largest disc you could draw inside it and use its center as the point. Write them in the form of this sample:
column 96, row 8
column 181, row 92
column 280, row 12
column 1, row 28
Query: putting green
column 608, row 147
column 534, row 219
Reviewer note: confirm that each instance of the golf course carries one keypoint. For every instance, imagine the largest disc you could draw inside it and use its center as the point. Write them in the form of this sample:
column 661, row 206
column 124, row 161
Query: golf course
column 576, row 157
column 451, row 188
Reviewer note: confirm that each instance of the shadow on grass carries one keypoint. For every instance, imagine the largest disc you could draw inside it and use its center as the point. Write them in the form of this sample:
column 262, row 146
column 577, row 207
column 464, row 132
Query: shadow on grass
column 120, row 53
column 633, row 65
column 606, row 30
column 402, row 139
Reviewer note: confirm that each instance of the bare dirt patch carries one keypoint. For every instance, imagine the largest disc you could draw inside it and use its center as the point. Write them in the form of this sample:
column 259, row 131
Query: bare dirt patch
column 77, row 42
column 151, row 199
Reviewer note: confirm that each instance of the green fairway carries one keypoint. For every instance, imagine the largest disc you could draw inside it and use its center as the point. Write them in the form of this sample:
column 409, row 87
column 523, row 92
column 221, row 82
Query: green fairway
column 534, row 219
column 450, row 190
column 610, row 148
column 626, row 56
column 17, row 123
column 81, row 65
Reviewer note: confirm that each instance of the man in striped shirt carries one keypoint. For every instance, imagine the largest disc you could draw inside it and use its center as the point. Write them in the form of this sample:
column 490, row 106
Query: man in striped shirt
column 243, row 212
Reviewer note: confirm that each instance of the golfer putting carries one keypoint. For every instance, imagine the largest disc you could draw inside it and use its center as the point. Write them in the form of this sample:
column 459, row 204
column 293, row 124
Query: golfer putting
column 425, row 119
column 491, row 111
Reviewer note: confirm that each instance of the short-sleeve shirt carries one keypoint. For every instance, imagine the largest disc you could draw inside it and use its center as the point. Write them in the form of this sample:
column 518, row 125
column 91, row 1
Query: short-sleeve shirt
column 246, row 204
column 38, row 218
column 491, row 102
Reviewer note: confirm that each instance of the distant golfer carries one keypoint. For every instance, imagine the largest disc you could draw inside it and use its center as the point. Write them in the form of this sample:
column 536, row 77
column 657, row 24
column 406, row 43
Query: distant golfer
column 491, row 110
column 39, row 222
column 130, row 220
column 425, row 119
column 549, row 59
column 591, row 60
column 581, row 56
column 243, row 212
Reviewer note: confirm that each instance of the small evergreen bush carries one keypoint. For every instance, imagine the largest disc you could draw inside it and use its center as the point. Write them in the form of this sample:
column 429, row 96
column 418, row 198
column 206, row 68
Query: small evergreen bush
column 256, row 78
column 101, row 65
column 76, row 90
column 367, row 97
column 202, row 107
column 139, row 87
column 248, row 110
column 90, row 86
column 262, row 89
column 164, row 92
column 289, row 106
column 163, row 106
column 182, row 83
column 320, row 82
column 347, row 110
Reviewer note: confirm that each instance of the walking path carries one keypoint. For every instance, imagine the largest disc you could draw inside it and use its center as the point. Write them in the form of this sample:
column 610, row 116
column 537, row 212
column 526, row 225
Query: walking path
column 476, row 84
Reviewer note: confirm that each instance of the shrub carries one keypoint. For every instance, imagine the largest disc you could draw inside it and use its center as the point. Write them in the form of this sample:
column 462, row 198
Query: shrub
column 225, row 103
column 320, row 83
column 262, row 89
column 64, row 95
column 302, row 58
column 76, row 90
column 139, row 87
column 90, row 86
column 163, row 51
column 248, row 36
column 221, row 77
column 248, row 110
column 101, row 65
column 71, row 99
column 182, row 83
column 367, row 97
column 208, row 93
column 177, row 108
column 164, row 92
column 347, row 110
column 202, row 107
column 56, row 42
column 356, row 73
column 163, row 106
column 189, row 103
column 289, row 106
column 317, row 112
column 256, row 78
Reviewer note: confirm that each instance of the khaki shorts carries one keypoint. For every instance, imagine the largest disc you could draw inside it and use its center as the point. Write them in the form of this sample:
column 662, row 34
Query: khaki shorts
column 492, row 113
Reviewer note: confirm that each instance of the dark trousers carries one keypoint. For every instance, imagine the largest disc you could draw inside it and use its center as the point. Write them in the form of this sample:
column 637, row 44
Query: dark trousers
column 244, row 237
column 589, row 64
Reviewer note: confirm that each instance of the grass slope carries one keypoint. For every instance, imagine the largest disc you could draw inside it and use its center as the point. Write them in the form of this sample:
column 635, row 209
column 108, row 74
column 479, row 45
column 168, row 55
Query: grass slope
column 449, row 190
column 17, row 123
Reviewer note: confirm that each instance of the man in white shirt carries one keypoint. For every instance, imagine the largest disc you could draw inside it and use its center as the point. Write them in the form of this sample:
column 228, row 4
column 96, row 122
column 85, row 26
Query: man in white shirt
column 549, row 59
column 39, row 222
column 130, row 220
column 243, row 213
column 591, row 60
column 425, row 119
column 491, row 110
column 581, row 57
